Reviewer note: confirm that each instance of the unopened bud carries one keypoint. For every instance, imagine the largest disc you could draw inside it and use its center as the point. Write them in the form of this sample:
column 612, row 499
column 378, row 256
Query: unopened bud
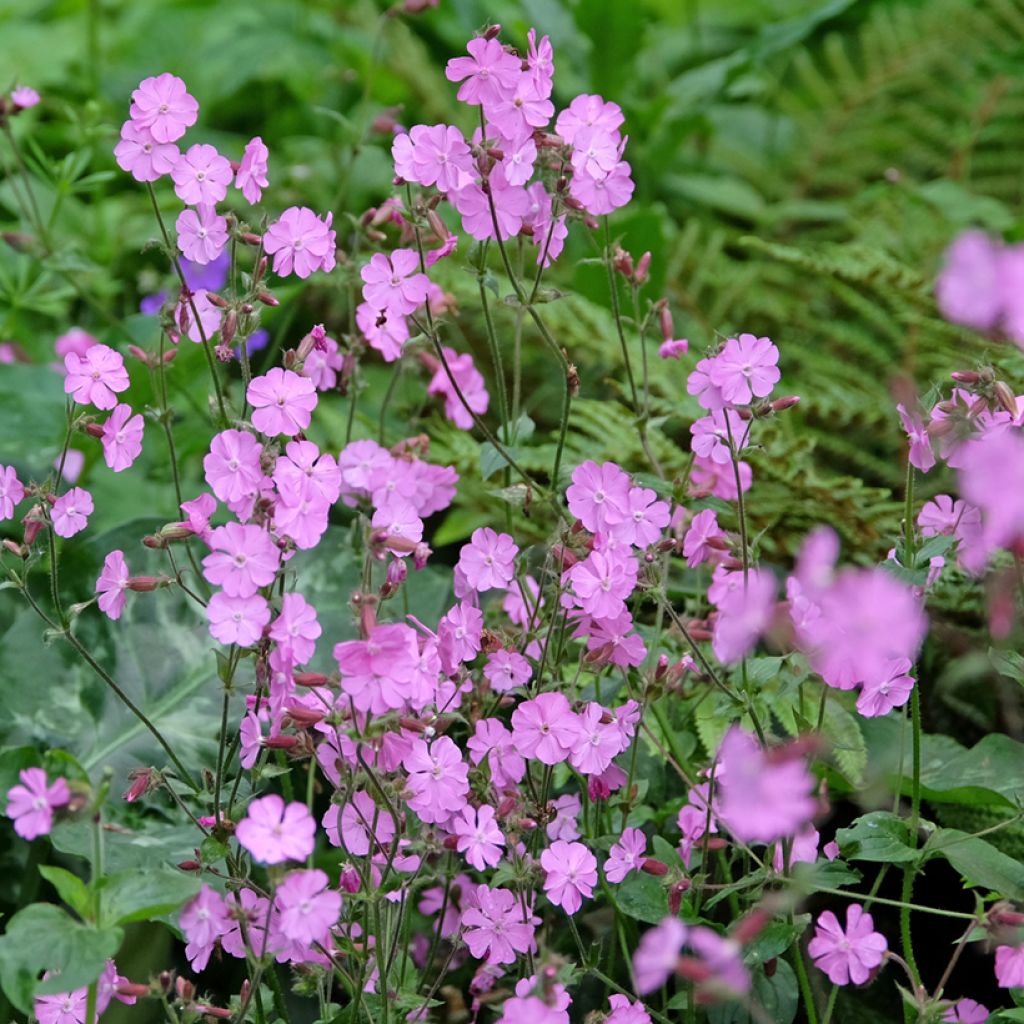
column 492, row 32
column 15, row 548
column 145, row 584
column 643, row 268
column 572, row 379
column 132, row 988
column 654, row 867
column 1005, row 398
column 267, row 299
column 19, row 241
column 966, row 376
column 281, row 742
column 217, row 300
column 665, row 320
column 304, row 718
column 781, row 404
column 189, row 865
column 140, row 354
column 623, row 262
column 185, row 989
column 228, row 328
column 250, row 239
column 310, row 679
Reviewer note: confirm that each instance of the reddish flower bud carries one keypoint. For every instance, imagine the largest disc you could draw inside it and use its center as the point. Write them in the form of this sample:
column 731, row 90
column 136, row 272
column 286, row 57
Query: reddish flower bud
column 787, row 402
column 643, row 267
column 143, row 781
column 350, row 880
column 190, row 865
column 310, row 679
column 304, row 718
column 145, row 584
column 140, row 354
column 450, row 842
column 654, row 867
column 15, row 548
column 281, row 742
column 267, row 299
column 750, row 926
column 492, row 32
column 966, row 377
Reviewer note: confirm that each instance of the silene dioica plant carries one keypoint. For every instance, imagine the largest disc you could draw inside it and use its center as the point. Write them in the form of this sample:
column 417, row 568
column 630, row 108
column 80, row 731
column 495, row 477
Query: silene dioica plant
column 457, row 819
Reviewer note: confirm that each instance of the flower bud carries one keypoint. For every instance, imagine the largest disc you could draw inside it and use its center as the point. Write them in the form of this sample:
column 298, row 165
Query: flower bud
column 349, row 881
column 310, row 679
column 145, row 584
column 281, row 742
column 643, row 267
column 142, row 783
column 267, row 299
column 1005, row 398
column 782, row 404
column 654, row 867
column 492, row 32
column 190, row 865
column 185, row 989
column 966, row 377
column 15, row 548
column 140, row 354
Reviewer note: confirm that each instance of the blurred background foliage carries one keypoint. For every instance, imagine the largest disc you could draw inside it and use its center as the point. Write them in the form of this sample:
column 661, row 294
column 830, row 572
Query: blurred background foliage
column 800, row 167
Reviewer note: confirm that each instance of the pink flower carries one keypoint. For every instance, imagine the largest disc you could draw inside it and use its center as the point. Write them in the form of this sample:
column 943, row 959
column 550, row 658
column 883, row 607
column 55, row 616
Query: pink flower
column 437, row 779
column 496, row 927
column 394, row 284
column 487, row 74
column 570, row 874
column 850, row 955
column 601, row 196
column 536, row 1002
column 1010, row 966
column 645, row 518
column 588, row 111
column 307, row 908
column 323, row 364
column 722, row 958
column 699, row 384
column 966, row 1011
column 201, row 176
column 296, row 629
column 488, row 560
column 209, row 316
column 674, row 348
column 94, row 377
column 717, row 436
column 439, row 156
column 566, row 811
column 470, row 382
column 300, row 242
column 282, row 401
column 657, row 954
column 387, row 337
column 598, row 495
column 503, row 202
column 112, row 585
column 523, row 109
column 141, row 156
column 804, row 848
column 480, row 839
column 66, row 1008
column 597, row 741
column 595, row 152
column 743, row 615
column 506, row 670
column 23, row 97
column 698, row 544
column 921, row 455
column 361, row 821
column 243, row 559
column 891, row 689
column 625, row 1012
column 626, row 855
column 968, row 288
column 232, row 467
column 990, row 480
column 545, row 728
column 122, row 438
column 204, row 919
column 12, row 491
column 603, row 581
column 274, row 832
column 75, row 340
column 237, row 620
column 746, row 368
column 491, row 740
column 162, row 104
column 32, row 803
column 201, row 236
column 252, row 171
column 71, row 511
column 761, row 796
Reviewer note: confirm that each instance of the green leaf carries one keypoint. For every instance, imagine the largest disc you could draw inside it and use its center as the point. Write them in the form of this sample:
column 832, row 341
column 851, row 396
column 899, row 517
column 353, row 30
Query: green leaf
column 144, row 894
column 978, row 862
column 42, row 938
column 731, row 196
column 777, row 996
column 844, row 733
column 71, row 889
column 642, row 897
column 878, row 836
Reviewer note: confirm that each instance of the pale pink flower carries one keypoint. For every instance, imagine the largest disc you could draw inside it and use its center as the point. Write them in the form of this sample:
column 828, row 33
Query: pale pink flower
column 307, row 908
column 282, row 401
column 657, row 954
column 804, row 848
column 698, row 544
column 847, row 955
column 570, row 874
column 30, row 805
column 601, row 196
column 71, row 511
column 487, row 74
column 252, row 170
column 95, row 377
column 122, row 438
column 595, row 152
column 296, row 629
column 141, row 156
column 488, row 560
column 627, row 854
column 232, row 467
column 644, row 518
column 243, row 559
column 746, row 368
column 743, row 616
column 480, row 839
column 597, row 742
column 722, row 958
column 202, row 234
column 890, row 689
column 301, row 242
column 625, row 1012
column 204, row 919
column 545, row 728
column 437, row 779
column 201, row 175
column 598, row 495
column 440, row 156
column 588, row 111
column 968, row 288
column 24, row 97
column 274, row 832
column 717, row 436
column 394, row 284
column 966, row 1011
column 237, row 620
column 565, row 812
column 12, row 491
column 112, row 585
column 1010, row 966
column 506, row 670
column 361, row 825
column 197, row 304
column 387, row 337
column 162, row 104
column 496, row 926
column 603, row 580
column 921, row 455
column 507, row 204
column 470, row 382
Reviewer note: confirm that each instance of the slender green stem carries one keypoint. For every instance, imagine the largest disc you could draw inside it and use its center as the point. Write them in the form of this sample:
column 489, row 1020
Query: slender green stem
column 613, row 287
column 797, row 955
column 741, row 511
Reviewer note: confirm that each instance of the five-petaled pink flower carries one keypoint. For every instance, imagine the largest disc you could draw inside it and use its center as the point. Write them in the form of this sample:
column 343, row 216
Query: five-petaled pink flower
column 545, row 728
column 626, row 855
column 12, row 491
column 31, row 803
column 71, row 511
column 394, row 284
column 202, row 234
column 232, row 467
column 274, row 832
column 112, row 585
column 307, row 908
column 746, row 368
column 237, row 620
column 252, row 171
column 488, row 560
column 282, row 401
column 570, row 874
column 496, row 927
column 122, row 438
column 480, row 839
column 438, row 779
column 300, row 242
column 141, row 156
column 95, row 377
column 487, row 74
column 162, row 105
column 847, row 955
column 201, row 175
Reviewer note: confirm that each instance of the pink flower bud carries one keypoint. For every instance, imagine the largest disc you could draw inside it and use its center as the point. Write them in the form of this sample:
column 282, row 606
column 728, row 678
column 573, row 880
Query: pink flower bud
column 267, row 299
column 643, row 267
column 190, row 865
column 310, row 679
column 349, row 881
column 654, row 867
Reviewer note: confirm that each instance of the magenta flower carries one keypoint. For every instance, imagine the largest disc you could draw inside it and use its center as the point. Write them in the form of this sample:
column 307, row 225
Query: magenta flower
column 197, row 304
column 595, row 152
column 438, row 779
column 252, row 171
column 480, row 839
column 601, row 196
column 237, row 620
column 598, row 495
column 162, row 104
column 506, row 670
column 202, row 235
column 625, row 1012
column 232, row 467
column 282, row 401
column 75, row 340
column 674, row 348
column 761, row 796
column 969, row 290
column 361, row 825
column 966, row 1011
column 24, row 97
column 746, row 368
column 716, row 436
column 850, row 955
column 387, row 337
column 204, row 919
column 545, row 728
column 597, row 742
column 243, row 559
column 273, row 832
column 722, row 958
column 65, row 1008
column 394, row 284
column 471, row 384
column 307, row 908
column 699, row 544
column 536, row 1002
column 511, row 206
column 645, row 518
column 12, row 491
column 141, row 156
column 921, row 455
column 112, row 585
column 743, row 615
column 588, row 111
column 487, row 74
column 201, row 176
column 1010, row 966
column 31, row 803
column 699, row 384
column 889, row 690
column 626, row 855
column 603, row 581
column 657, row 954
column 122, row 438
column 439, row 156
column 491, row 740
column 495, row 926
column 95, row 377
column 300, row 242
column 71, row 511
column 570, row 874
column 296, row 629
column 488, row 560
